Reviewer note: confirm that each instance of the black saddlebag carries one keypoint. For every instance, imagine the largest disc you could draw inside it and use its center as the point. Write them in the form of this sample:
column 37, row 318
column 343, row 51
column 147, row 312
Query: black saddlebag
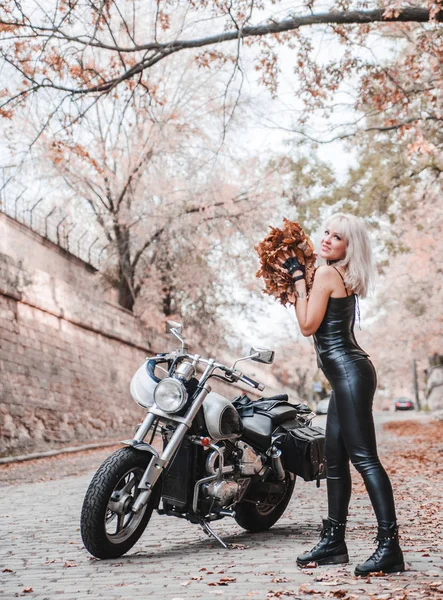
column 303, row 451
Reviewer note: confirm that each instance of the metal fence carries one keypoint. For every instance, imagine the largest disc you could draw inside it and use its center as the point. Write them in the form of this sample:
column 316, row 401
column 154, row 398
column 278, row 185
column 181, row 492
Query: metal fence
column 59, row 228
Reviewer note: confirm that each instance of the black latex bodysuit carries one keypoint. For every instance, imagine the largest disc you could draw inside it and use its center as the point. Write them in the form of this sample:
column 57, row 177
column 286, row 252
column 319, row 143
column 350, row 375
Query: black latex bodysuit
column 350, row 433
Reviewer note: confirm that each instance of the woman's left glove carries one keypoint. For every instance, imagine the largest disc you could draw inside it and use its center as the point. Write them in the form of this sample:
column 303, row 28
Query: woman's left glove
column 292, row 265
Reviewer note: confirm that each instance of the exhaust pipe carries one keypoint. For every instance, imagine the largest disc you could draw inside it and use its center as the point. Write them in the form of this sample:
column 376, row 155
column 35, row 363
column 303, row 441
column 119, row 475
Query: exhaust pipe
column 276, row 464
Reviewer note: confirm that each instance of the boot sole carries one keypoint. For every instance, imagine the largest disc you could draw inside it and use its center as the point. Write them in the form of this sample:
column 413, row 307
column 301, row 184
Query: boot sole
column 339, row 559
column 395, row 569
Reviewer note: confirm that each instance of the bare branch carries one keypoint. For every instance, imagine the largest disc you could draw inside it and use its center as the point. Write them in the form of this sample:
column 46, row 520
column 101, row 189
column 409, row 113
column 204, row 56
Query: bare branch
column 156, row 51
column 354, row 17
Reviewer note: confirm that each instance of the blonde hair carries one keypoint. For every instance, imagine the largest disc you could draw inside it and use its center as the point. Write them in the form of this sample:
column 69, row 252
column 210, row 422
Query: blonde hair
column 357, row 263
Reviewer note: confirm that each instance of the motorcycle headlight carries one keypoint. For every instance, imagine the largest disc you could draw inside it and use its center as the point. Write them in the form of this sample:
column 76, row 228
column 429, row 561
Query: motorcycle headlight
column 170, row 395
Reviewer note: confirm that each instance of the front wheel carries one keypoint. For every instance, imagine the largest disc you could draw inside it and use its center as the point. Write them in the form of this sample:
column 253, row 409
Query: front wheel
column 108, row 526
column 261, row 515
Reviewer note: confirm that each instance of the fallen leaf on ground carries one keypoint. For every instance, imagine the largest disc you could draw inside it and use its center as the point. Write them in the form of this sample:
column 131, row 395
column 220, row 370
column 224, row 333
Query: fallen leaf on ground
column 311, row 565
column 340, row 594
column 303, row 589
column 223, row 581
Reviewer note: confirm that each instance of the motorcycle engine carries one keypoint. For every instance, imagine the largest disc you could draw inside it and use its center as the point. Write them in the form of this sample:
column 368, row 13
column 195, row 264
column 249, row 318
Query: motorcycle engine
column 224, row 492
column 250, row 462
column 244, row 458
column 243, row 462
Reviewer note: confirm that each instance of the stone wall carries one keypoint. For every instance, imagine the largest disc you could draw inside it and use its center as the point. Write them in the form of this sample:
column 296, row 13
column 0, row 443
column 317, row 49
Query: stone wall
column 67, row 350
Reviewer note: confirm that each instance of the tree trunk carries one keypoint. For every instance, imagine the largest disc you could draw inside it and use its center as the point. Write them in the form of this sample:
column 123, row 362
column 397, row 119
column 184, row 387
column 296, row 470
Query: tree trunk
column 126, row 294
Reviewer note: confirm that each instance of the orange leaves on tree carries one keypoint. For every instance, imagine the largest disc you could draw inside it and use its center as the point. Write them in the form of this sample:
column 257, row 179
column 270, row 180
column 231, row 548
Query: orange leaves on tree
column 59, row 151
column 6, row 114
column 164, row 20
column 207, row 58
column 277, row 246
column 268, row 68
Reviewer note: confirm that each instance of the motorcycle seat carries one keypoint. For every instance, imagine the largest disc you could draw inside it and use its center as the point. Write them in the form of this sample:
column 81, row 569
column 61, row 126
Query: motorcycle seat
column 265, row 416
column 257, row 430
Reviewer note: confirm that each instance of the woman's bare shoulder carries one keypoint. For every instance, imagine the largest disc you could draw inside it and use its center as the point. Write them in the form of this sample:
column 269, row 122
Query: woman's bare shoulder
column 324, row 272
column 324, row 277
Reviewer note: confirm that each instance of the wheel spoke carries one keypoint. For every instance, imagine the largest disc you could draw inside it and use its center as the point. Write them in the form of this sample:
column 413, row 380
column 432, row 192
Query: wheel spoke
column 130, row 484
column 120, row 523
column 123, row 524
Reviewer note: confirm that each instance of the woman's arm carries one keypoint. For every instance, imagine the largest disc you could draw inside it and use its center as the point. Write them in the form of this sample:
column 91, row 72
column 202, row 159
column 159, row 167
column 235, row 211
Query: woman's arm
column 310, row 313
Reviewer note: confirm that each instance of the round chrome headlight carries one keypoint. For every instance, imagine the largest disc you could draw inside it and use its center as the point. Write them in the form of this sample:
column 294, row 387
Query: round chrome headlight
column 170, row 395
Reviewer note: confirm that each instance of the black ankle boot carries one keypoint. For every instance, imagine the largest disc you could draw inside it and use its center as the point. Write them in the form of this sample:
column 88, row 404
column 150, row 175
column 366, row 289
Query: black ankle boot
column 331, row 549
column 388, row 558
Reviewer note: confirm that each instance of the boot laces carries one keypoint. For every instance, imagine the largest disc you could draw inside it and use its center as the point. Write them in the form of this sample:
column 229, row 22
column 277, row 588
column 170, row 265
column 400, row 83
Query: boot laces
column 323, row 534
column 377, row 554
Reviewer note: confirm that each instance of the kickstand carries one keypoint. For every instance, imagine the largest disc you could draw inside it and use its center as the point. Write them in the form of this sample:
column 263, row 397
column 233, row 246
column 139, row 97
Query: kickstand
column 210, row 532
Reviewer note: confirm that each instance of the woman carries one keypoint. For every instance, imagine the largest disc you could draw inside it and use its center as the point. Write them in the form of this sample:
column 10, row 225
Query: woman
column 329, row 316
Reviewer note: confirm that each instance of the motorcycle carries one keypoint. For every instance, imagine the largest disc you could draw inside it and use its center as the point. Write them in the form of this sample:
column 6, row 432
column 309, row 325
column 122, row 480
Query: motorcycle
column 219, row 458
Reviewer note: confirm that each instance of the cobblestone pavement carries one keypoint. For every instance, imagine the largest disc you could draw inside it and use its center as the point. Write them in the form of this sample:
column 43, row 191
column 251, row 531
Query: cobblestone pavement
column 42, row 556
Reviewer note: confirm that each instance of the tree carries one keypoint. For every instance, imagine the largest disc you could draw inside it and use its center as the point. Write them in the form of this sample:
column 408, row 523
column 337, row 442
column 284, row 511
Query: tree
column 409, row 319
column 147, row 176
column 88, row 49
column 296, row 367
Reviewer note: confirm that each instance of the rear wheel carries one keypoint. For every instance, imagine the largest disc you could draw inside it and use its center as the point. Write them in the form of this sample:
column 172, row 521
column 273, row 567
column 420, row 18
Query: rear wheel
column 259, row 515
column 108, row 526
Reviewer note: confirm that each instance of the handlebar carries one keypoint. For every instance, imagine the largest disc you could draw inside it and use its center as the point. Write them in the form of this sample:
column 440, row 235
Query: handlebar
column 233, row 374
column 255, row 384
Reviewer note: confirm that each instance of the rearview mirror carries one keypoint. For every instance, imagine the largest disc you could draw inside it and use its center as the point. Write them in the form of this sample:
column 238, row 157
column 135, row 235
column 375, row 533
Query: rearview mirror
column 173, row 325
column 262, row 355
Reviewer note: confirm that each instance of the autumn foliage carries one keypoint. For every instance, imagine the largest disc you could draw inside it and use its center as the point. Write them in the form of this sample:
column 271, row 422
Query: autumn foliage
column 275, row 248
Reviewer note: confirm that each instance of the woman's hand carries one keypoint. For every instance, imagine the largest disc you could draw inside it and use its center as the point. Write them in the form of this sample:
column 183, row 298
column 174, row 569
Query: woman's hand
column 293, row 266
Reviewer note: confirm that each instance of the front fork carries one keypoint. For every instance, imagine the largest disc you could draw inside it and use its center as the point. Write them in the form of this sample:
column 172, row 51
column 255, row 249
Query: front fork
column 159, row 463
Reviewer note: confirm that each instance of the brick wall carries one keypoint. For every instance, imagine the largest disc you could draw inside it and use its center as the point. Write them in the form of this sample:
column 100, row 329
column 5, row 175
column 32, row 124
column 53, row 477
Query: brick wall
column 67, row 350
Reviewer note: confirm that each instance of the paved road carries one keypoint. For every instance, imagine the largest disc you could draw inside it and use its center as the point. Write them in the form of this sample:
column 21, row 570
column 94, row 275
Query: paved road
column 42, row 557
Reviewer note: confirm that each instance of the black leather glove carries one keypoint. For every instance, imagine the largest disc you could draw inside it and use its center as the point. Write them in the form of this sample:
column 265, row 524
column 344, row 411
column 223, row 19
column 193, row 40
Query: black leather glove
column 292, row 265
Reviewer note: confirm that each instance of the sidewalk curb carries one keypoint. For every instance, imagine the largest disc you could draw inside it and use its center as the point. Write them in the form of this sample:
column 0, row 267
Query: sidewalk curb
column 36, row 455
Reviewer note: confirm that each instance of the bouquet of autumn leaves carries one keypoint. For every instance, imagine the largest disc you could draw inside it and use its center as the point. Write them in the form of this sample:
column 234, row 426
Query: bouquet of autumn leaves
column 277, row 246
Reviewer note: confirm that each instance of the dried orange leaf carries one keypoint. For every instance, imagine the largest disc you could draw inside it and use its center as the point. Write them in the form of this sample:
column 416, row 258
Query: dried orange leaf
column 273, row 251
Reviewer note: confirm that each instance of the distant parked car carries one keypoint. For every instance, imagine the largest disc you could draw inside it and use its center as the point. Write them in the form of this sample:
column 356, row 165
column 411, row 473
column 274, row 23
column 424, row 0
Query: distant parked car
column 322, row 406
column 403, row 404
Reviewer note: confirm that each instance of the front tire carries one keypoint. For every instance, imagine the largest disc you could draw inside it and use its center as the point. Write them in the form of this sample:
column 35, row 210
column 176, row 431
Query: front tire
column 108, row 526
column 262, row 516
